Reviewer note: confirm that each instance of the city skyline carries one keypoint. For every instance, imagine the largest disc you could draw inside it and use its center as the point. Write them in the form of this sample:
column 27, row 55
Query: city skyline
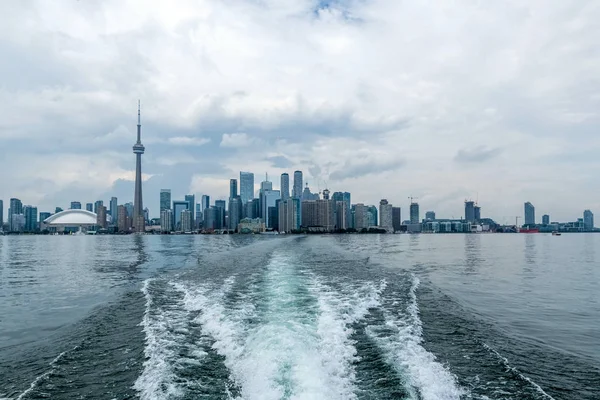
column 477, row 115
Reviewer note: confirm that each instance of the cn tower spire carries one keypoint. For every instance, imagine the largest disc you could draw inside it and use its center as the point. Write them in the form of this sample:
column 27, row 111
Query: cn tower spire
column 138, row 205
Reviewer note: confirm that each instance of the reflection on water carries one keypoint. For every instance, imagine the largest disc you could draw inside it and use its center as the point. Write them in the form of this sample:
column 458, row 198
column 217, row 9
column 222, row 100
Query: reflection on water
column 530, row 252
column 473, row 257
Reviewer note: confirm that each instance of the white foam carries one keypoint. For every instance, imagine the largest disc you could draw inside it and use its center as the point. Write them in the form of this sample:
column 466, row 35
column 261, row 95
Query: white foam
column 165, row 330
column 509, row 367
column 404, row 351
column 37, row 380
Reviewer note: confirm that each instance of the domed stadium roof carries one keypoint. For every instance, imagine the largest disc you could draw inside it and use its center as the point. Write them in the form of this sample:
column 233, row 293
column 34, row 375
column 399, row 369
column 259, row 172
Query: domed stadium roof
column 72, row 218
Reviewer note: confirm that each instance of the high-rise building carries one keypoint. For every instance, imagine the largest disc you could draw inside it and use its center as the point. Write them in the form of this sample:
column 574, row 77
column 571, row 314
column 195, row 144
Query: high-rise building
column 477, row 211
column 166, row 220
column 191, row 199
column 44, row 216
column 205, row 202
column 273, row 216
column 233, row 192
column 75, row 205
column 285, row 186
column 220, row 205
column 199, row 215
column 469, row 211
column 372, row 216
column 97, row 204
column 31, row 219
column 235, row 212
column 17, row 222
column 298, row 185
column 326, row 194
column 529, row 214
column 310, row 213
column 265, row 186
column 326, row 214
column 429, row 215
column 396, row 218
column 186, row 220
column 139, row 223
column 101, row 216
column 246, row 186
column 346, row 198
column 385, row 215
column 360, row 216
column 414, row 213
column 113, row 210
column 341, row 215
column 252, row 209
column 308, row 195
column 89, row 207
column 16, row 208
column 211, row 218
column 122, row 219
column 178, row 207
column 545, row 219
column 289, row 215
column 165, row 199
column 588, row 220
column 269, row 197
column 1, row 214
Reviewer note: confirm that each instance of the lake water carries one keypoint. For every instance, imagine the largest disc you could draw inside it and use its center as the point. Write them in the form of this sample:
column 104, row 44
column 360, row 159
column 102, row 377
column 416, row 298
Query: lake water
column 490, row 316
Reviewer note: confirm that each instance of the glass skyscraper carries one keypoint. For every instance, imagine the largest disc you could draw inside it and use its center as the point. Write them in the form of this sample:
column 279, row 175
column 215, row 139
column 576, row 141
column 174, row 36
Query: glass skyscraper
column 191, row 199
column 529, row 214
column 297, row 190
column 246, row 186
column 178, row 207
column 285, row 186
column 165, row 199
column 232, row 188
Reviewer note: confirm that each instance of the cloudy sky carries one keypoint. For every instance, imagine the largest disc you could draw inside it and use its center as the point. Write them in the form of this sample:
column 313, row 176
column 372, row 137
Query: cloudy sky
column 440, row 100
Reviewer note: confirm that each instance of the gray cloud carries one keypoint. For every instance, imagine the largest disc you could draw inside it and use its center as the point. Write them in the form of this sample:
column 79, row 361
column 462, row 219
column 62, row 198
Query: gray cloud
column 477, row 154
column 354, row 171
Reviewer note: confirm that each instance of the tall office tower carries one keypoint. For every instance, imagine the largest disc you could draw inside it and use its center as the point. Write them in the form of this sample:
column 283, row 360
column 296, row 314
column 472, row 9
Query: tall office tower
column 341, row 215
column 360, row 216
column 346, row 198
column 89, row 207
column 75, row 205
column 186, row 221
column 178, row 207
column 588, row 220
column 122, row 219
column 396, row 218
column 289, row 215
column 165, row 199
column 211, row 218
column 477, row 211
column 199, row 216
column 31, row 219
column 1, row 214
column 16, row 208
column 273, row 214
column 235, row 212
column 265, row 186
column 220, row 205
column 326, row 194
column 546, row 219
column 529, row 214
column 101, row 216
column 269, row 198
column 429, row 215
column 166, row 220
column 385, row 215
column 191, row 199
column 297, row 189
column 285, row 186
column 113, row 210
column 233, row 188
column 97, row 204
column 252, row 209
column 310, row 213
column 326, row 214
column 139, row 224
column 414, row 213
column 372, row 215
column 469, row 211
column 246, row 186
column 205, row 202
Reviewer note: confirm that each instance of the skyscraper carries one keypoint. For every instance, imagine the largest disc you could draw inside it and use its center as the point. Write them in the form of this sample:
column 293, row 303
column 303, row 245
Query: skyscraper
column 396, row 218
column 165, row 199
column 31, row 219
column 289, row 215
column 1, row 214
column 269, row 198
column 429, row 215
column 546, row 219
column 16, row 208
column 529, row 214
column 122, row 224
column 186, row 221
column 97, row 204
column 138, row 206
column 414, row 213
column 297, row 190
column 178, row 207
column 360, row 216
column 285, row 186
column 385, row 215
column 477, row 211
column 341, row 215
column 469, row 211
column 220, row 217
column 232, row 188
column 191, row 199
column 246, row 186
column 346, row 198
column 166, row 220
column 588, row 220
column 235, row 212
column 89, row 207
column 75, row 205
column 265, row 186
column 205, row 202
column 101, row 217
column 113, row 210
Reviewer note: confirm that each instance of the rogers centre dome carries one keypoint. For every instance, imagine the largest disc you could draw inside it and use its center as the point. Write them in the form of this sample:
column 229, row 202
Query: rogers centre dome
column 72, row 218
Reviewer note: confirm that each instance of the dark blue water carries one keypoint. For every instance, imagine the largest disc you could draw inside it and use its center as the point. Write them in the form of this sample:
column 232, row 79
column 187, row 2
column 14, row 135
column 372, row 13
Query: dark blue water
column 350, row 316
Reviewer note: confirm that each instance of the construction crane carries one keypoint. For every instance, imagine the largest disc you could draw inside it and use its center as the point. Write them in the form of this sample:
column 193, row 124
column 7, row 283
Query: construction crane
column 412, row 198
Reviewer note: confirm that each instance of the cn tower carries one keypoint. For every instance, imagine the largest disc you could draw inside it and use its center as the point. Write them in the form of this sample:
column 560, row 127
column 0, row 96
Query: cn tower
column 139, row 223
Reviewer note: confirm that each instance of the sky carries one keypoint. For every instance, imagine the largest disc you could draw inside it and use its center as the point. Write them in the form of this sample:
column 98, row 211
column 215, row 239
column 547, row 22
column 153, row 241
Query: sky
column 495, row 101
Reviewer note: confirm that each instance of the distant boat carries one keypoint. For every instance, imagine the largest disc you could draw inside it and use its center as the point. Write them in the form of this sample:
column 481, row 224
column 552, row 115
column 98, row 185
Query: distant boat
column 529, row 230
column 555, row 233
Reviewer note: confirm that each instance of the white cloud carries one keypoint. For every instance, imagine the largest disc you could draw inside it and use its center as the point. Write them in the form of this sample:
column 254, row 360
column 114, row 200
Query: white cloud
column 188, row 141
column 236, row 140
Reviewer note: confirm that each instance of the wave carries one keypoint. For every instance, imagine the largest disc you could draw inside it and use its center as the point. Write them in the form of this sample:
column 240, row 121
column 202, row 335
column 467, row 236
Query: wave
column 400, row 338
column 36, row 381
